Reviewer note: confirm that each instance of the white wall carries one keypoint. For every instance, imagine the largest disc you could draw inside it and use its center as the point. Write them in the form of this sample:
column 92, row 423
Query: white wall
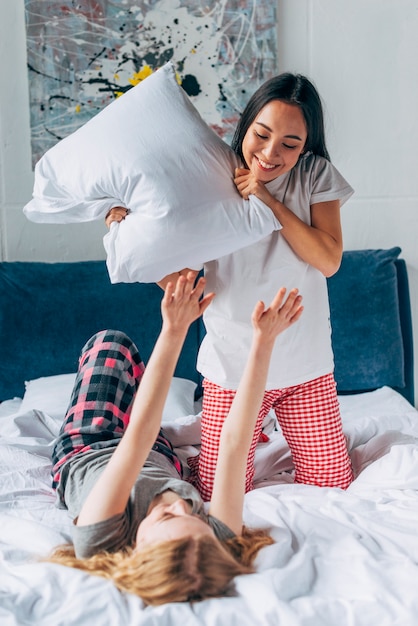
column 20, row 239
column 363, row 57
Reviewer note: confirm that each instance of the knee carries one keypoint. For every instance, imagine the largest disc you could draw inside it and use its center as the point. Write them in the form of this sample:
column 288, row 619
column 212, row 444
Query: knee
column 112, row 338
column 115, row 337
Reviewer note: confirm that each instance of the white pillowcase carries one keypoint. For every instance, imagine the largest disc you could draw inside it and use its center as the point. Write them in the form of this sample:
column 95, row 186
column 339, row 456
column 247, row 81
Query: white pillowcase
column 150, row 151
column 52, row 394
column 49, row 394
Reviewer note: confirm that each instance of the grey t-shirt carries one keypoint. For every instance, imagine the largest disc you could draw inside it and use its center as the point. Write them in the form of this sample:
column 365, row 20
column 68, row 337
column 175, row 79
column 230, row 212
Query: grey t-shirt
column 119, row 531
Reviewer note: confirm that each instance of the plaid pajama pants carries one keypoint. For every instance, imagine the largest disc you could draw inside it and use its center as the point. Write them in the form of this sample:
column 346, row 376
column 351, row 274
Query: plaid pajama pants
column 309, row 417
column 110, row 370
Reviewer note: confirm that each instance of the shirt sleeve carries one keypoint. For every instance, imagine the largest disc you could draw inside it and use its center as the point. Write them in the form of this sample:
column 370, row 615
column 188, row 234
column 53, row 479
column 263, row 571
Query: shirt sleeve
column 327, row 183
column 109, row 535
column 221, row 530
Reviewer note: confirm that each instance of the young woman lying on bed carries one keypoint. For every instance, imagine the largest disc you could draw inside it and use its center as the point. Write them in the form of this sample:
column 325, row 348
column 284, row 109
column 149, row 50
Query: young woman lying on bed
column 136, row 520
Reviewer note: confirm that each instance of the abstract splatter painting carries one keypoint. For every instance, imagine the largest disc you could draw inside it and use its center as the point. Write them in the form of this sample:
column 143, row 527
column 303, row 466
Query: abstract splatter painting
column 82, row 54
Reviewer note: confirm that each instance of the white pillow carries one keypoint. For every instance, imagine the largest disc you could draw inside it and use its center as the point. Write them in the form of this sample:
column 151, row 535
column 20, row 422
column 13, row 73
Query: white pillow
column 180, row 399
column 52, row 394
column 150, row 151
column 49, row 394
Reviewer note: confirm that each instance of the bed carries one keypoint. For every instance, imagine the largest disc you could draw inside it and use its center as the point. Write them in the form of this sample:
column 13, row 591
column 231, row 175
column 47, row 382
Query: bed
column 339, row 557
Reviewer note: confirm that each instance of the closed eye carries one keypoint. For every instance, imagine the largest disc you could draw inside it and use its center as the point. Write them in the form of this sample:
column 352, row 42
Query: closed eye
column 260, row 136
column 166, row 516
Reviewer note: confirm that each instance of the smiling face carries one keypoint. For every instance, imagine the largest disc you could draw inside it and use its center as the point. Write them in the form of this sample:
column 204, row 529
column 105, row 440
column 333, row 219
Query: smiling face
column 170, row 521
column 275, row 140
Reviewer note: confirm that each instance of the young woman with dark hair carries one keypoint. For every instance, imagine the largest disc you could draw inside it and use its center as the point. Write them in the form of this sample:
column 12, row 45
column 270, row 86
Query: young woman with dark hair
column 280, row 139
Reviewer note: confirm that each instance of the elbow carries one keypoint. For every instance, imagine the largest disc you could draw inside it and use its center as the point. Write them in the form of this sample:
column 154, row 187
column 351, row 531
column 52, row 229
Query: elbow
column 232, row 443
column 332, row 264
column 330, row 270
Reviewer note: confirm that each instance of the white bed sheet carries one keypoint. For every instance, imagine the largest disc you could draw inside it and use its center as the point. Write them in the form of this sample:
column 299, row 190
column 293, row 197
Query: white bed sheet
column 340, row 558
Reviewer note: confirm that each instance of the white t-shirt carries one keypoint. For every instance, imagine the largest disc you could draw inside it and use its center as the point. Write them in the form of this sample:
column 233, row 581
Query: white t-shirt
column 303, row 352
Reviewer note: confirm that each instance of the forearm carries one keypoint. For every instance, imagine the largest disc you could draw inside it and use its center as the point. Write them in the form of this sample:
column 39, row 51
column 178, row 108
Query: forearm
column 238, row 428
column 318, row 243
column 320, row 247
column 235, row 441
column 155, row 383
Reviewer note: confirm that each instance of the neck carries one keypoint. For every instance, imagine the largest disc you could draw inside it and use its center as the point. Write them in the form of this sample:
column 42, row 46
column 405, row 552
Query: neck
column 167, row 497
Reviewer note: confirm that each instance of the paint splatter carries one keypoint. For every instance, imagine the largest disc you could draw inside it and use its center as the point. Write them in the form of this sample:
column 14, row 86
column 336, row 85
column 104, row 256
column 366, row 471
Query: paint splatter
column 84, row 53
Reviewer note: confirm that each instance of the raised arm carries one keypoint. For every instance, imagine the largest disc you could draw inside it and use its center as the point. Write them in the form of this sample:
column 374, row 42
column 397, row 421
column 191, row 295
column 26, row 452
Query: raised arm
column 181, row 305
column 237, row 432
column 320, row 243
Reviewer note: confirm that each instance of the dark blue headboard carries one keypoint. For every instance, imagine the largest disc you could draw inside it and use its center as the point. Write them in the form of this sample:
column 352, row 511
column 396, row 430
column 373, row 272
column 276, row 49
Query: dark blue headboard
column 48, row 311
column 371, row 322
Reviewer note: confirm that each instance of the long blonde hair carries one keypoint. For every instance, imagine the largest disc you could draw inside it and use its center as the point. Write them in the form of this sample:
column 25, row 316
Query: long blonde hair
column 186, row 569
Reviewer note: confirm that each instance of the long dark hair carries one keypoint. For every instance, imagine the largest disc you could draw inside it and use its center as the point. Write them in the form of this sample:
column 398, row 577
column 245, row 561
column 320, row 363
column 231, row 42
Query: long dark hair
column 292, row 89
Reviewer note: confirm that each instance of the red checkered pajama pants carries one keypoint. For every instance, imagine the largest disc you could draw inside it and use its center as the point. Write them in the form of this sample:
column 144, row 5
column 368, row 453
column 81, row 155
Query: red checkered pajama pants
column 110, row 370
column 309, row 417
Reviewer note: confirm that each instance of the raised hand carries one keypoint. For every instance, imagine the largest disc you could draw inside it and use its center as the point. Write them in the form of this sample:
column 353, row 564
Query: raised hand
column 183, row 302
column 282, row 313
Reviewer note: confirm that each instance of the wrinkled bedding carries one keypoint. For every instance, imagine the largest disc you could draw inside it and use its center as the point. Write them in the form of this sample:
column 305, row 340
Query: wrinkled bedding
column 339, row 558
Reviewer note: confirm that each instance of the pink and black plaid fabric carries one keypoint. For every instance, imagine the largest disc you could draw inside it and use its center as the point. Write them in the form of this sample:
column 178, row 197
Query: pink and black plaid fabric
column 110, row 370
column 310, row 420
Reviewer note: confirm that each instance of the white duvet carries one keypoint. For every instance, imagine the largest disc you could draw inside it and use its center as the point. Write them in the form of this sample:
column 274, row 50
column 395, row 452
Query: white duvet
column 340, row 558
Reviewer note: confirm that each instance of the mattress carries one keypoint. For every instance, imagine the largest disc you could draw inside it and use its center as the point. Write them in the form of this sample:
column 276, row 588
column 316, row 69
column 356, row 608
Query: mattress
column 339, row 557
